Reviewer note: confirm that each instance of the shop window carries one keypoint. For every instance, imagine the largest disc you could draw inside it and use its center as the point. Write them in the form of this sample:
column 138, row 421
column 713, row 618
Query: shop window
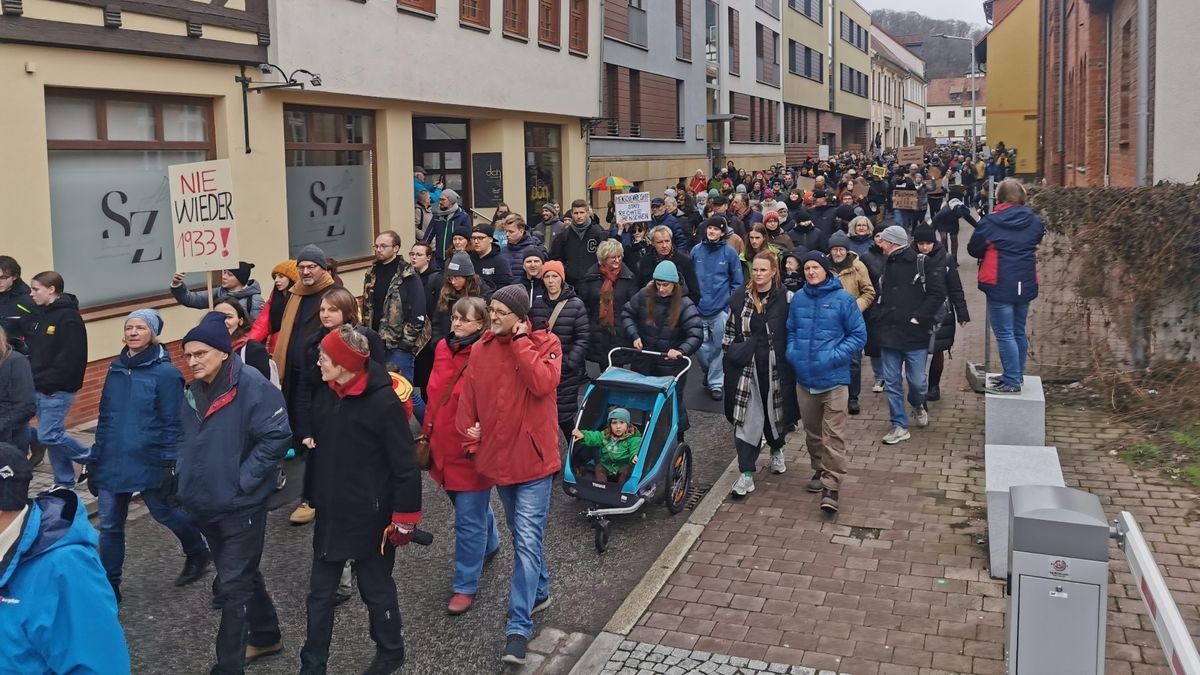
column 543, row 165
column 109, row 208
column 329, row 155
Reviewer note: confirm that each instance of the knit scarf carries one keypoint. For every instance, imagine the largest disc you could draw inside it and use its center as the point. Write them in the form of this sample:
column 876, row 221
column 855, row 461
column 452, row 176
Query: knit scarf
column 290, row 312
column 608, row 316
column 355, row 386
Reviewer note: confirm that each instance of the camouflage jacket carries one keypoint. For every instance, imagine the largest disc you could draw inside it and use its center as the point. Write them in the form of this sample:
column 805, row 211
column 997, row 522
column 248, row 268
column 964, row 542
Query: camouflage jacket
column 403, row 323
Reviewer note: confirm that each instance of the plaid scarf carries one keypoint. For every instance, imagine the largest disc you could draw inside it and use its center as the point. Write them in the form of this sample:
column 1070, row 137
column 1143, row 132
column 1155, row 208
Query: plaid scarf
column 746, row 386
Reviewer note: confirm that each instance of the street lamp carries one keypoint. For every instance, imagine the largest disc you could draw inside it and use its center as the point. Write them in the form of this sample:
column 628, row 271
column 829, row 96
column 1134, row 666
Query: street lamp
column 974, row 114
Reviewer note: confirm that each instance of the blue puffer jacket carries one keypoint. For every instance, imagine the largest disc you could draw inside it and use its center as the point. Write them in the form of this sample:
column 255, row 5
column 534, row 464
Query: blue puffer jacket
column 228, row 453
column 1006, row 242
column 138, row 429
column 719, row 271
column 825, row 328
column 57, row 610
column 515, row 255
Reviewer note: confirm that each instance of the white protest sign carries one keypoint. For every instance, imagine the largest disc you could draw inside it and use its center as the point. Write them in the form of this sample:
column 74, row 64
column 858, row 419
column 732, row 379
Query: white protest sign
column 823, row 152
column 202, row 220
column 632, row 207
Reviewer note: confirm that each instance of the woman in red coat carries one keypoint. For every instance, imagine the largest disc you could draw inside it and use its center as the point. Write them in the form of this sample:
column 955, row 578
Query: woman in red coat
column 476, row 537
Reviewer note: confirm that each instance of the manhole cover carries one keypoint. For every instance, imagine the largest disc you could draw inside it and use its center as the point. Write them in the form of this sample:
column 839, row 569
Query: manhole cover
column 696, row 493
column 865, row 533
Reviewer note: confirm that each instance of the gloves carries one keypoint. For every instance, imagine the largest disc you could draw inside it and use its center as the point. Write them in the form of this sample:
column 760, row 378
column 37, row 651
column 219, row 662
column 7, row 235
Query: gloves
column 400, row 531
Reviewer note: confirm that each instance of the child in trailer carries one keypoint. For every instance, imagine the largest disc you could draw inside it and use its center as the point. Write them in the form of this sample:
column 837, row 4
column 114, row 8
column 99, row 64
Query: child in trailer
column 617, row 446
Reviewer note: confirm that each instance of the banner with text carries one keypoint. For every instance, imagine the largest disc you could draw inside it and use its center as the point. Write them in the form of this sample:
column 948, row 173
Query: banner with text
column 911, row 154
column 632, row 207
column 202, row 221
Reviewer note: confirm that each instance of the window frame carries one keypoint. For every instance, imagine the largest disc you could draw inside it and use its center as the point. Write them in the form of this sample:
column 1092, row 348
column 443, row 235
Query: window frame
column 550, row 32
column 480, row 19
column 735, row 42
column 426, row 8
column 577, row 41
column 518, row 9
column 807, row 9
column 805, row 50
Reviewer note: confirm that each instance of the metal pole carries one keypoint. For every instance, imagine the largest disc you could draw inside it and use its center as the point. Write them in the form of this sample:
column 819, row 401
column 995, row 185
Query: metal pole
column 1143, row 93
column 974, row 133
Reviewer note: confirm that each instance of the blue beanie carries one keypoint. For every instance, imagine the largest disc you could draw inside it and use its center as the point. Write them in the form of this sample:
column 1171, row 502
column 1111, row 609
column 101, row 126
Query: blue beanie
column 666, row 271
column 817, row 257
column 151, row 316
column 211, row 331
column 618, row 414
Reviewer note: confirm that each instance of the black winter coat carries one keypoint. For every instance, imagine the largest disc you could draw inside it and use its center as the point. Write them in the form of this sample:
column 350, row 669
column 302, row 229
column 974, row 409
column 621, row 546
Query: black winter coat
column 58, row 346
column 684, row 265
column 656, row 335
column 493, row 269
column 955, row 310
column 18, row 401
column 601, row 341
column 902, row 298
column 364, row 468
column 574, row 332
column 805, row 239
column 577, row 253
column 776, row 316
column 16, row 312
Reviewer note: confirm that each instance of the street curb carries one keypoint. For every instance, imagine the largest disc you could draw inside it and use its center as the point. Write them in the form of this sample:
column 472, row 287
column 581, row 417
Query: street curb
column 627, row 615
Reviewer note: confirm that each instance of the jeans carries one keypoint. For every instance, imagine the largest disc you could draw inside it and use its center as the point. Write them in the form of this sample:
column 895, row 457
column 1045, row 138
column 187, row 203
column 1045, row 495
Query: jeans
column 856, row 375
column 824, row 418
column 247, row 613
column 526, row 506
column 475, row 536
column 377, row 589
column 403, row 361
column 1008, row 323
column 114, row 509
column 876, row 368
column 63, row 449
column 710, row 353
column 914, row 361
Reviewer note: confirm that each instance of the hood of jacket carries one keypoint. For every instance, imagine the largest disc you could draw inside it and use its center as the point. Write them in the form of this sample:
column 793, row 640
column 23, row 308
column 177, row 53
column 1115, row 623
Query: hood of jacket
column 55, row 520
column 1014, row 217
column 66, row 301
column 18, row 288
column 250, row 290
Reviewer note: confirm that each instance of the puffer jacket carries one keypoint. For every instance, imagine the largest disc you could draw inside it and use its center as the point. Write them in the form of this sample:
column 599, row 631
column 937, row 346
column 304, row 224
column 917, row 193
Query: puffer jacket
column 956, row 311
column 574, row 332
column 18, row 399
column 1006, row 242
column 686, row 335
column 856, row 280
column 139, row 425
column 447, row 445
column 601, row 340
column 16, row 310
column 249, row 297
column 515, row 255
column 507, row 391
column 719, row 272
column 901, row 297
column 825, row 328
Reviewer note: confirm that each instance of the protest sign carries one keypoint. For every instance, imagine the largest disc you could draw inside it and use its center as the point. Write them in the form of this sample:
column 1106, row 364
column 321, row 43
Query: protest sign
column 203, row 227
column 904, row 199
column 911, row 154
column 861, row 188
column 880, row 171
column 805, row 183
column 632, row 207
column 823, row 152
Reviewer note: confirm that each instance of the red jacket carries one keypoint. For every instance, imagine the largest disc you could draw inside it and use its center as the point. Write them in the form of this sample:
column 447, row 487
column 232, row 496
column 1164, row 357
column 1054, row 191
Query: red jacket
column 510, row 388
column 447, row 445
column 261, row 330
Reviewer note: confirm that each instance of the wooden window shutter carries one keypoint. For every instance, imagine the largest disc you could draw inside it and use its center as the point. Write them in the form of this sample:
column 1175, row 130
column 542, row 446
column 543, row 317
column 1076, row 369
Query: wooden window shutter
column 578, row 41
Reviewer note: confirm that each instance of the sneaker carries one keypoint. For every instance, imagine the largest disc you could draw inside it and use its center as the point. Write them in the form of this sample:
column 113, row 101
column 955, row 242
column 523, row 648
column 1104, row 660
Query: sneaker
column 814, row 483
column 877, row 387
column 934, row 393
column 921, row 415
column 193, row 568
column 716, row 394
column 460, row 603
column 829, row 501
column 539, row 605
column 514, row 650
column 385, row 664
column 303, row 515
column 743, row 486
column 896, row 435
column 852, row 407
column 1001, row 388
column 777, row 463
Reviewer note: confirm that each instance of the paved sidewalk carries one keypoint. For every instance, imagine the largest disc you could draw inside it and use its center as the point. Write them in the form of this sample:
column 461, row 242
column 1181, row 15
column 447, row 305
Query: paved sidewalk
column 897, row 582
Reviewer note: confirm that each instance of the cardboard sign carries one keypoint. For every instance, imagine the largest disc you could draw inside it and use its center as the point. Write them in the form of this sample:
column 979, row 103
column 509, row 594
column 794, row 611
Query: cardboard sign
column 861, row 188
column 823, row 152
column 880, row 171
column 632, row 207
column 911, row 154
column 202, row 218
column 904, row 199
column 805, row 183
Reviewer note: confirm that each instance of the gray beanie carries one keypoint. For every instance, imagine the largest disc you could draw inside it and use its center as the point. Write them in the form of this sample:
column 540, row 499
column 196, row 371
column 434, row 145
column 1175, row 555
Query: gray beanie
column 839, row 238
column 896, row 235
column 460, row 265
column 313, row 254
column 741, row 188
column 153, row 319
column 516, row 298
column 451, row 195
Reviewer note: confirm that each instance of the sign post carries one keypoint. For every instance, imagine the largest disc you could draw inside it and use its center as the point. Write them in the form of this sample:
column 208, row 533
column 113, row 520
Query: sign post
column 632, row 207
column 204, row 231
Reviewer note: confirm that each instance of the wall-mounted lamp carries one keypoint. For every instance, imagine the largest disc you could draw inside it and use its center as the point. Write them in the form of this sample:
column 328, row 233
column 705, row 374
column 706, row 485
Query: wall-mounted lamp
column 289, row 82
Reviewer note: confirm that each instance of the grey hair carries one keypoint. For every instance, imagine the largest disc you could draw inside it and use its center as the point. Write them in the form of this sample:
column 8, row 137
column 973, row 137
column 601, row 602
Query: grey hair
column 609, row 247
column 354, row 339
column 856, row 220
column 1011, row 190
column 471, row 306
column 661, row 229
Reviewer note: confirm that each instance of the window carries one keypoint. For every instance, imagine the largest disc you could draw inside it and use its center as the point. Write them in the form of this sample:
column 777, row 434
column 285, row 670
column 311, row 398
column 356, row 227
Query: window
column 854, row 82
column 735, row 57
column 549, row 18
column 983, row 112
column 640, row 105
column 805, row 61
column 329, row 159
column 950, row 114
column 928, row 115
column 766, row 55
column 579, row 27
column 809, row 8
column 419, row 5
column 474, row 12
column 108, row 155
column 769, row 6
column 516, row 17
column 763, row 125
column 683, row 30
column 543, row 166
column 854, row 33
column 950, row 133
column 966, row 113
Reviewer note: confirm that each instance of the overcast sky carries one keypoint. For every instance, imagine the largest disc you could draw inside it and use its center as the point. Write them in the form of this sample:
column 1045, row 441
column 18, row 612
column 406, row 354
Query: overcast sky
column 964, row 10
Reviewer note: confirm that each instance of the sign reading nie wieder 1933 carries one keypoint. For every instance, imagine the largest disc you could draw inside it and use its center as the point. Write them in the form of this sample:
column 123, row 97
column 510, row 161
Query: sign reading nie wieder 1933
column 203, row 224
column 488, row 184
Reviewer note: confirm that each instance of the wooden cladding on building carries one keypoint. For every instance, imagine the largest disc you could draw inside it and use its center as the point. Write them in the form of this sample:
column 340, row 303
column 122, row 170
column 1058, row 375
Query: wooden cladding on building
column 616, row 19
column 683, row 29
column 735, row 42
column 639, row 105
column 192, row 15
column 763, row 123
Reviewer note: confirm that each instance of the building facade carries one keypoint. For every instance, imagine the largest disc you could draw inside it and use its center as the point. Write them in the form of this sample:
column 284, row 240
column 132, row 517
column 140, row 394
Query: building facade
column 1012, row 77
column 948, row 112
column 653, row 126
column 892, row 61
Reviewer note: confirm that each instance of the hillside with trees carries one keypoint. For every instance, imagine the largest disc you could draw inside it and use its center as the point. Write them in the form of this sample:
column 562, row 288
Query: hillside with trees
column 943, row 58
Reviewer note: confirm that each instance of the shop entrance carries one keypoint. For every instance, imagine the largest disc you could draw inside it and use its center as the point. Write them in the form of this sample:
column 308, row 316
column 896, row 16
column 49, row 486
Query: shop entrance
column 441, row 146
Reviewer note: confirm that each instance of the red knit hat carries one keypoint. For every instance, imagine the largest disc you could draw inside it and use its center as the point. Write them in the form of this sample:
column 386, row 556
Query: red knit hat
column 342, row 354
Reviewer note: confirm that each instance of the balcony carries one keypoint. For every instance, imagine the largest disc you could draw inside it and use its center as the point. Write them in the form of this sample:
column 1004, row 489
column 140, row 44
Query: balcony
column 638, row 32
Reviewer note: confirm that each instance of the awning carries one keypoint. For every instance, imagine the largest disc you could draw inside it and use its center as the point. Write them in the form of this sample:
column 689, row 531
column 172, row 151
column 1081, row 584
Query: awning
column 726, row 117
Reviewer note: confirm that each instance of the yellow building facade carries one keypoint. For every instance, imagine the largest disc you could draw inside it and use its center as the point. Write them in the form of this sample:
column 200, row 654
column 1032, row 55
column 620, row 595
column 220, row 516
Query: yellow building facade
column 1012, row 81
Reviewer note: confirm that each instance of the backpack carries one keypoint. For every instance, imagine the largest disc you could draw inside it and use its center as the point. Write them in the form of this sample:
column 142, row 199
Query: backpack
column 271, row 362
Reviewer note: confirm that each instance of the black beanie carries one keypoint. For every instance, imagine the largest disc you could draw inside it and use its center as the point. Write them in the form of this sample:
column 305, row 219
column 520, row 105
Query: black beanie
column 924, row 234
column 242, row 272
column 211, row 331
column 15, row 476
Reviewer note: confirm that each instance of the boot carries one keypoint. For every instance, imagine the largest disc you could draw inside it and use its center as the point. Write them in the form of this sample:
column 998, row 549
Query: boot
column 303, row 515
column 385, row 664
column 934, row 393
column 193, row 568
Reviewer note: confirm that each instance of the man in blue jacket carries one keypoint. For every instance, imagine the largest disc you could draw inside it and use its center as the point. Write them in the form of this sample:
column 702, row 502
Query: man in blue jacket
column 235, row 432
column 719, row 273
column 57, row 611
column 1006, row 242
column 825, row 330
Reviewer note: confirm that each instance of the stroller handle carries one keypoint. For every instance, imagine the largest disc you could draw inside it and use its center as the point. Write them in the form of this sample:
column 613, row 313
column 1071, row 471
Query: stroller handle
column 678, row 375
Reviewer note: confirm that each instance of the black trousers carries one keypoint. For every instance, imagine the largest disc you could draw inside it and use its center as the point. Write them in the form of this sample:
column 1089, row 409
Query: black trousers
column 247, row 613
column 378, row 591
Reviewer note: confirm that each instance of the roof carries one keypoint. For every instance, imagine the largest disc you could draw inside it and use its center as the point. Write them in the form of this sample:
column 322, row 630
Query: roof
column 1001, row 9
column 940, row 89
column 887, row 55
column 895, row 57
column 910, row 39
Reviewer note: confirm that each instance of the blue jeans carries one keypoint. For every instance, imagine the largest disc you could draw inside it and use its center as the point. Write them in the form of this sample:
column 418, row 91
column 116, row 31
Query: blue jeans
column 475, row 536
column 403, row 361
column 711, row 356
column 914, row 362
column 63, row 449
column 1008, row 323
column 526, row 506
column 114, row 508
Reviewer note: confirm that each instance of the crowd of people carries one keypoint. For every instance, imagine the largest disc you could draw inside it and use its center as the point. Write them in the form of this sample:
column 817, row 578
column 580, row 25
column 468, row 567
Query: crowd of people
column 776, row 282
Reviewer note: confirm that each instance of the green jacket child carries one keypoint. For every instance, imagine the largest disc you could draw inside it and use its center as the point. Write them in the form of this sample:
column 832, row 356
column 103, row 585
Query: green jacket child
column 619, row 444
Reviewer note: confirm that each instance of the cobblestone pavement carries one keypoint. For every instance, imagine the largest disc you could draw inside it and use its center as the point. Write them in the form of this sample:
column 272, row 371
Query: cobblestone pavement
column 638, row 658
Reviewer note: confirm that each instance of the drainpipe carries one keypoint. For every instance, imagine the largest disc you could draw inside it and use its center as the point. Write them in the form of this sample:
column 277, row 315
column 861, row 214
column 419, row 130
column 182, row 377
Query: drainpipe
column 1143, row 93
column 1060, row 145
column 1107, row 96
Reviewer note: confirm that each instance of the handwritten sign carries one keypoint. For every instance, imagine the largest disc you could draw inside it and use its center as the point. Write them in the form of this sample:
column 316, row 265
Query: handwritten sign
column 823, row 152
column 861, row 188
column 805, row 183
column 904, row 199
column 202, row 216
column 911, row 154
column 880, row 171
column 632, row 207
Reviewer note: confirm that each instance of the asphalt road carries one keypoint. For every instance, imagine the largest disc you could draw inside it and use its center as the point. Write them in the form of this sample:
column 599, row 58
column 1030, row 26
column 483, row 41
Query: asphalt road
column 172, row 630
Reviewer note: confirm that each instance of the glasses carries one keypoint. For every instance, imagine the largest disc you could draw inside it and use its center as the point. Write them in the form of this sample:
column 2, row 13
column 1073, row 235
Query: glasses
column 382, row 246
column 459, row 319
column 499, row 313
column 308, row 267
column 480, row 237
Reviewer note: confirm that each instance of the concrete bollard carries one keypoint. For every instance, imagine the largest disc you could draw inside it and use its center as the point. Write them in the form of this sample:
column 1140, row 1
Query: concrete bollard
column 1006, row 466
column 1016, row 419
